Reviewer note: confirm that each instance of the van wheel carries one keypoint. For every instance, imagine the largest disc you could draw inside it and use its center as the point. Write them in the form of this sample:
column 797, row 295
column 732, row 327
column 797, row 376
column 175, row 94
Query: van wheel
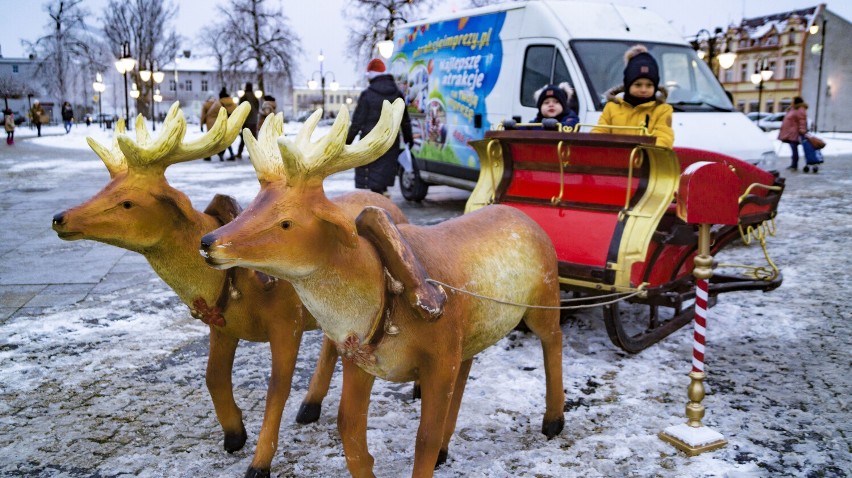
column 412, row 187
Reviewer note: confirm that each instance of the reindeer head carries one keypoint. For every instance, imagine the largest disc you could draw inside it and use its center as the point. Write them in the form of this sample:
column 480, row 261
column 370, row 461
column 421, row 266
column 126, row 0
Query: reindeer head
column 138, row 205
column 291, row 226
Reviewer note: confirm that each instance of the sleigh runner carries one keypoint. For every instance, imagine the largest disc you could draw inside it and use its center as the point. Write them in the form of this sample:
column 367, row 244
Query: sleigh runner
column 610, row 206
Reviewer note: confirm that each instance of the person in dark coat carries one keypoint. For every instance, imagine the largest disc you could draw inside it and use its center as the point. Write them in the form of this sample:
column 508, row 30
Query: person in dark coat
column 380, row 174
column 67, row 116
column 251, row 119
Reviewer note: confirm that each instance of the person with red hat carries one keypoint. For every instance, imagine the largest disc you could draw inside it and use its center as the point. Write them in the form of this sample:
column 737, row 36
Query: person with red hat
column 380, row 174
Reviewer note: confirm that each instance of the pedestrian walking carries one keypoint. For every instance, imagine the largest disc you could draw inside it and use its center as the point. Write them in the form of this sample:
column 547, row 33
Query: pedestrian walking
column 379, row 175
column 67, row 116
column 9, row 126
column 251, row 120
column 793, row 128
column 208, row 117
column 37, row 115
column 267, row 108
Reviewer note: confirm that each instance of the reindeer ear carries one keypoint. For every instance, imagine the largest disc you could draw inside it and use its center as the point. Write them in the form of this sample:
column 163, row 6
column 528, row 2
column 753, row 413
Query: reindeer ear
column 343, row 226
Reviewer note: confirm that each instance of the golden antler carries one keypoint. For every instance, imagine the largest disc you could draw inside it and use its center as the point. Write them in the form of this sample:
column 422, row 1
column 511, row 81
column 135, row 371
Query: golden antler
column 168, row 148
column 301, row 160
column 112, row 157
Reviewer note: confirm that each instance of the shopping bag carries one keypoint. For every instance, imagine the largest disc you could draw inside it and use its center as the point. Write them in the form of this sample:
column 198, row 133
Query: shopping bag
column 815, row 142
column 812, row 155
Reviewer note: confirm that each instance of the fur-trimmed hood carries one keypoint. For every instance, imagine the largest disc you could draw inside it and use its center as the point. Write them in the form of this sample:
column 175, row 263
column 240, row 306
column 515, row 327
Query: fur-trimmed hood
column 616, row 94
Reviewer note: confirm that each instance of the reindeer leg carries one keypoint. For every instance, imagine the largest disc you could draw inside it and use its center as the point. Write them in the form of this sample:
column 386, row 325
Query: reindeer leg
column 309, row 411
column 453, row 414
column 284, row 341
column 438, row 380
column 376, row 225
column 545, row 324
column 352, row 419
column 220, row 364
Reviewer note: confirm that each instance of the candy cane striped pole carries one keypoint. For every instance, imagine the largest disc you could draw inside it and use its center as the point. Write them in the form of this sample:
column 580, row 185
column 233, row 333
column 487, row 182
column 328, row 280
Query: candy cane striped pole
column 693, row 437
column 701, row 295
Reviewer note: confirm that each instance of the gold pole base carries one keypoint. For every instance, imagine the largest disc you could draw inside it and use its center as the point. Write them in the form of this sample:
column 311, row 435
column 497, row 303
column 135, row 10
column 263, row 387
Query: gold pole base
column 693, row 440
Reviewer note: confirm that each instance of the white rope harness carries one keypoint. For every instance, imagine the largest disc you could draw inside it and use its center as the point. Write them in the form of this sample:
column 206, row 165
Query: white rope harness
column 621, row 296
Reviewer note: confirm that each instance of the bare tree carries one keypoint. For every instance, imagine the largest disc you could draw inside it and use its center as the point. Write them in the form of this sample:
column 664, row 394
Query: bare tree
column 146, row 26
column 257, row 34
column 13, row 87
column 373, row 21
column 65, row 50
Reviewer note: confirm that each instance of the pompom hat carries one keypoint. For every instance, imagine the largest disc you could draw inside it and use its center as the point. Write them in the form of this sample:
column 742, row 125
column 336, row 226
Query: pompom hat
column 640, row 64
column 561, row 92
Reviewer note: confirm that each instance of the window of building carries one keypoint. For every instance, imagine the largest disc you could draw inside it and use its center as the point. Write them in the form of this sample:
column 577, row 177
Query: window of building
column 770, row 106
column 789, row 69
column 188, row 85
column 172, row 85
column 203, row 85
column 791, row 38
column 753, row 106
column 743, row 72
column 14, row 68
column 772, row 67
column 785, row 104
column 729, row 75
column 741, row 106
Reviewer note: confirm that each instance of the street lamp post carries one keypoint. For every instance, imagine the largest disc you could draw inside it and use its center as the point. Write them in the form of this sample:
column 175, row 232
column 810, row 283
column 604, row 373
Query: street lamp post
column 814, row 29
column 312, row 83
column 156, row 78
column 124, row 65
column 761, row 74
column 725, row 59
column 99, row 87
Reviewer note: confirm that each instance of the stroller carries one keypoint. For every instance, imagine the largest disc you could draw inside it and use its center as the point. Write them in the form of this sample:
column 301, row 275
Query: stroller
column 813, row 156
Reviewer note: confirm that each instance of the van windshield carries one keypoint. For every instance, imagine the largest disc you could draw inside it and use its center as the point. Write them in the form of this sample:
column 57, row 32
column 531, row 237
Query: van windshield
column 688, row 79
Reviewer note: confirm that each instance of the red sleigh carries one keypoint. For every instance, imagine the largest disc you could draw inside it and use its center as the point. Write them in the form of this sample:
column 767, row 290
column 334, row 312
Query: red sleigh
column 610, row 204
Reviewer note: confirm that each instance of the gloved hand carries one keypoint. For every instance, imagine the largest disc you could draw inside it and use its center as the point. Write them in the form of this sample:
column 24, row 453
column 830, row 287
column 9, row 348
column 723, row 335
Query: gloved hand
column 509, row 124
column 550, row 123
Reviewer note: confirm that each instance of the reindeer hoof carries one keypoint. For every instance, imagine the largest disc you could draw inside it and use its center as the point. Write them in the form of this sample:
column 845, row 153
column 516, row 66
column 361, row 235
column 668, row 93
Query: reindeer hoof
column 553, row 427
column 442, row 458
column 308, row 413
column 415, row 391
column 253, row 472
column 235, row 441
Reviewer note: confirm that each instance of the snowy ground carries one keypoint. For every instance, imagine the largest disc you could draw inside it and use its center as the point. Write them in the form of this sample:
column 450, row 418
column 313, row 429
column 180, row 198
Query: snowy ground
column 114, row 385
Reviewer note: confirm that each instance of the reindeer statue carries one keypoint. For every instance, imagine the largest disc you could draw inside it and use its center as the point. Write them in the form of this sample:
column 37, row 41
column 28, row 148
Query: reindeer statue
column 291, row 230
column 138, row 210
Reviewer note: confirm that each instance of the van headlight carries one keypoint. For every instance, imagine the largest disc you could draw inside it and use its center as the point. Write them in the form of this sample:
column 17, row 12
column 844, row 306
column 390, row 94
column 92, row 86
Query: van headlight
column 768, row 160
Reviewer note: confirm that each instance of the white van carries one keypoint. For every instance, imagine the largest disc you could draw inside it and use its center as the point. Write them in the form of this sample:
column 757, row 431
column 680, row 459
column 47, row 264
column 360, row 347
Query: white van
column 464, row 73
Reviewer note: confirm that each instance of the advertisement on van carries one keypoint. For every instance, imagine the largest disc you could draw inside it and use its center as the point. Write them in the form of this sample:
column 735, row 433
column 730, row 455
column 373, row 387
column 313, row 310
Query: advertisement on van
column 446, row 71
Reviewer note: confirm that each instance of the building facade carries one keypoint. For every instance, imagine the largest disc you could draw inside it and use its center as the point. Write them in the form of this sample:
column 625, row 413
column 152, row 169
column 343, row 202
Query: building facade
column 806, row 52
column 307, row 100
column 23, row 70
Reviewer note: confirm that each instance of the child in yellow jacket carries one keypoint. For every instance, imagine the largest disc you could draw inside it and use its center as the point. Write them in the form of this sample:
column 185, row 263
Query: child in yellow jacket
column 640, row 101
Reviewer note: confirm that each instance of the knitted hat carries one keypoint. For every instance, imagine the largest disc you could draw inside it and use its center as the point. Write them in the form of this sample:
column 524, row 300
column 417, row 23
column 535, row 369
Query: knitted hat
column 640, row 64
column 561, row 92
column 375, row 68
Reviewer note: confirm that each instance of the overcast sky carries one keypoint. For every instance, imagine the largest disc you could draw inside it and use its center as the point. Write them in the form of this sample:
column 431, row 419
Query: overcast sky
column 321, row 24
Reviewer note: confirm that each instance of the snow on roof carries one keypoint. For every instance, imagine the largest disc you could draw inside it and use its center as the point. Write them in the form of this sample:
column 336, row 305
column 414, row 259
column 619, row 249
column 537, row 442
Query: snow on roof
column 200, row 63
column 758, row 27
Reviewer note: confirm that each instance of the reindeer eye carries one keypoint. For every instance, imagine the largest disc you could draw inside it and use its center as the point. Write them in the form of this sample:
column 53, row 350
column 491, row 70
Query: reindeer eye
column 286, row 225
column 127, row 204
